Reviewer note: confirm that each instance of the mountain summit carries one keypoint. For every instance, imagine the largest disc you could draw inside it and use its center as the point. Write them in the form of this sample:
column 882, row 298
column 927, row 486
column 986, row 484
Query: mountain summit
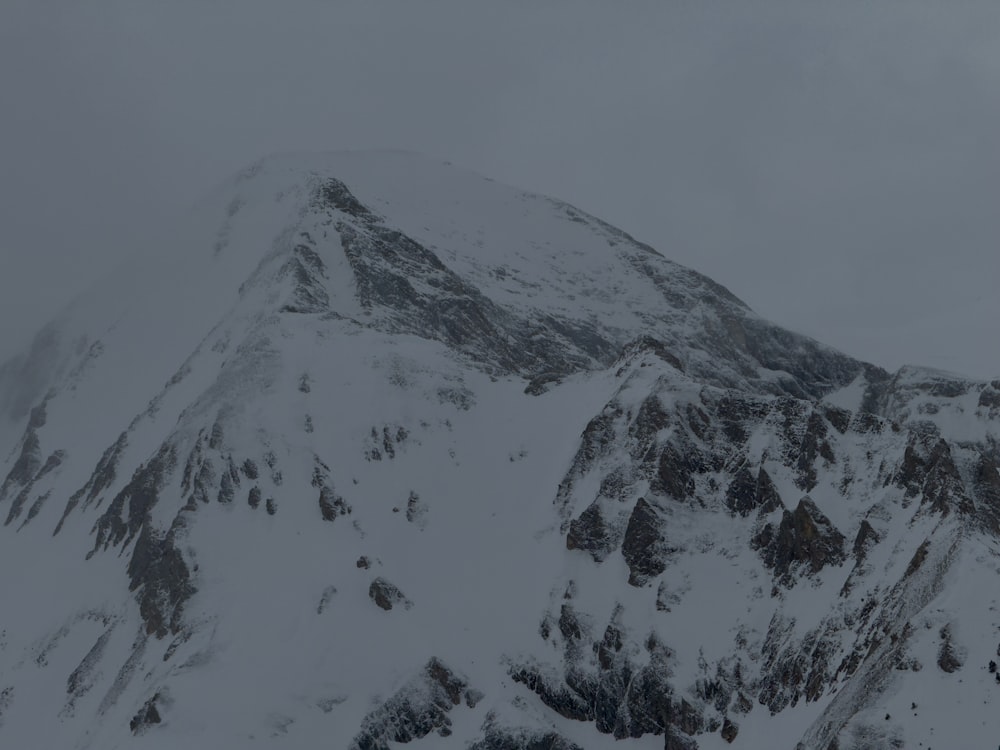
column 377, row 452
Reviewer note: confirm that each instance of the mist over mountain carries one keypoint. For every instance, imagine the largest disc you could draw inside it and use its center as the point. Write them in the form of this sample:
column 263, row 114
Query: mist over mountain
column 383, row 453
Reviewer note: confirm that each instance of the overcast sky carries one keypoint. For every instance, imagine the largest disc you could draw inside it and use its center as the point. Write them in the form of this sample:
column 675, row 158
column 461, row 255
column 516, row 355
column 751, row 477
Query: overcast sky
column 837, row 165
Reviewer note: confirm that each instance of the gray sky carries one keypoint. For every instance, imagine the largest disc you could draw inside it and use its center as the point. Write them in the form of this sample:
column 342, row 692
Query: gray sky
column 837, row 165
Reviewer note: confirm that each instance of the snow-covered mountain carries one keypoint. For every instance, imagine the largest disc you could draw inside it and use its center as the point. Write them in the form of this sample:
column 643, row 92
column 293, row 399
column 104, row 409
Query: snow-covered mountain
column 380, row 453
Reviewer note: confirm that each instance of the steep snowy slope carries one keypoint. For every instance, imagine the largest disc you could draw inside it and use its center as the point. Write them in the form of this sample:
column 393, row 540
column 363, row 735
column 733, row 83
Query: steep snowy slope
column 382, row 452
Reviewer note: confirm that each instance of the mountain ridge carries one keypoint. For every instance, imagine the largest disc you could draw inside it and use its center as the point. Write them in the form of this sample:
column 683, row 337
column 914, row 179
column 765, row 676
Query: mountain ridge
column 410, row 399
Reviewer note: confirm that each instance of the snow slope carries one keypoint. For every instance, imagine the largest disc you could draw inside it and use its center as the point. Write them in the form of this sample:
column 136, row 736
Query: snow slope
column 381, row 452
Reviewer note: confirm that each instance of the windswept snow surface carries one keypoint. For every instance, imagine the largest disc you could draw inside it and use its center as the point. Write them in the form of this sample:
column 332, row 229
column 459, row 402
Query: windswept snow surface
column 381, row 452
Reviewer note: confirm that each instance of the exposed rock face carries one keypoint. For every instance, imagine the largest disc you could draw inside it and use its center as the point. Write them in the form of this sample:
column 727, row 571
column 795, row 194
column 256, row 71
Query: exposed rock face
column 674, row 740
column 387, row 595
column 866, row 538
column 804, row 536
column 324, row 601
column 950, row 658
column 157, row 569
column 590, row 533
column 508, row 739
column 416, row 510
column 29, row 469
column 729, row 730
column 147, row 716
column 101, row 480
column 796, row 670
column 675, row 472
column 642, row 544
column 29, row 460
column 419, row 708
column 929, row 471
column 307, row 270
column 604, row 682
column 51, row 463
column 748, row 493
column 331, row 505
column 384, row 262
column 161, row 577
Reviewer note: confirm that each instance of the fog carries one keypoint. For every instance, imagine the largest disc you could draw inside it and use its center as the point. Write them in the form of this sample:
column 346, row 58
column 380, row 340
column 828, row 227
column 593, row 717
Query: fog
column 836, row 165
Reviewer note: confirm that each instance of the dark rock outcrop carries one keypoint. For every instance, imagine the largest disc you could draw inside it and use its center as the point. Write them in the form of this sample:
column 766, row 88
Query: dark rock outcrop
column 928, row 470
column 950, row 657
column 161, row 578
column 675, row 740
column 307, row 273
column 767, row 497
column 803, row 538
column 331, row 504
column 590, row 533
column 747, row 493
column 51, row 464
column 385, row 263
column 386, row 595
column 157, row 569
column 519, row 739
column 866, row 538
column 28, row 468
column 814, row 445
column 419, row 708
column 146, row 717
column 596, row 442
column 943, row 489
column 416, row 510
column 986, row 486
column 795, row 669
column 29, row 460
column 100, row 480
column 729, row 730
column 602, row 683
column 674, row 474
column 643, row 544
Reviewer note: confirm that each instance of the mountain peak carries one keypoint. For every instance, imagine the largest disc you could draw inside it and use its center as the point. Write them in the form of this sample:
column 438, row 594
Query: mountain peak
column 418, row 455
